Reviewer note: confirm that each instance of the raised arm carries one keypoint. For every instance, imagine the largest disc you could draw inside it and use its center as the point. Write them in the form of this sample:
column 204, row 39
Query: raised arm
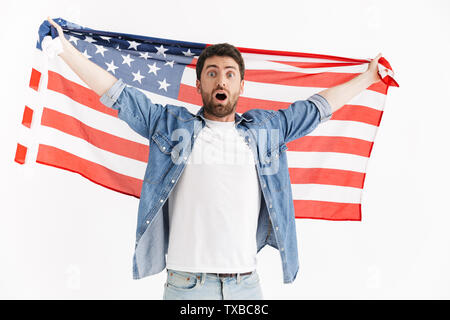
column 341, row 94
column 98, row 79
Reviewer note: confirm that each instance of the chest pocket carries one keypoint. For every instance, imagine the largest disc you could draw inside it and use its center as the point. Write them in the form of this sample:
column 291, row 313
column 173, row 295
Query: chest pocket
column 274, row 154
column 161, row 158
column 273, row 166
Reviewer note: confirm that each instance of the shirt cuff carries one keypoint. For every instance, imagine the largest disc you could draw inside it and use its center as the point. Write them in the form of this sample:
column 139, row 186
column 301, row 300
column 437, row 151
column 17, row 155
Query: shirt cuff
column 322, row 104
column 111, row 96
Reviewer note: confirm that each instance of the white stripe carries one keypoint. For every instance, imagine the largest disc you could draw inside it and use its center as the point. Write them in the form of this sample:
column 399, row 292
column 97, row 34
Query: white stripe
column 257, row 56
column 276, row 66
column 329, row 160
column 85, row 150
column 322, row 192
column 91, row 117
column 276, row 92
column 342, row 128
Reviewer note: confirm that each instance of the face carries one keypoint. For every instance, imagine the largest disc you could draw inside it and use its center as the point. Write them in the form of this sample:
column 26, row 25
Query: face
column 220, row 86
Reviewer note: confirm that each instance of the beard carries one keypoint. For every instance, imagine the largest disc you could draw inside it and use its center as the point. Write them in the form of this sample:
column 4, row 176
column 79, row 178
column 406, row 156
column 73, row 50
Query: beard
column 219, row 109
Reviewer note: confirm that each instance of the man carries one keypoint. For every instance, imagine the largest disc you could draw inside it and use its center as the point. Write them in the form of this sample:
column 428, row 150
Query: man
column 217, row 188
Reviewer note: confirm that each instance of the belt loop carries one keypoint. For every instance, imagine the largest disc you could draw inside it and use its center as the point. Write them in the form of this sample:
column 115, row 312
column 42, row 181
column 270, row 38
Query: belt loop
column 203, row 278
column 238, row 278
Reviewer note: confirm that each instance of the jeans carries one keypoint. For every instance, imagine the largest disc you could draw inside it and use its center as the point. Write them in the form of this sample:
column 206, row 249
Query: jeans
column 182, row 285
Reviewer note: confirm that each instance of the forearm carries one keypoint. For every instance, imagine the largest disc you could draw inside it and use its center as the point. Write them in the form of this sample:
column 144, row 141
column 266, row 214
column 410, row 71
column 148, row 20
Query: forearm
column 341, row 94
column 98, row 79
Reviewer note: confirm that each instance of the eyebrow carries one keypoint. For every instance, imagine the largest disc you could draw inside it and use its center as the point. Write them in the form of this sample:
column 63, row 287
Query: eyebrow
column 215, row 66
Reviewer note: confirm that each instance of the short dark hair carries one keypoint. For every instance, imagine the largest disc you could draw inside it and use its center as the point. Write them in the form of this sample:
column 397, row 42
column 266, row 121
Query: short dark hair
column 220, row 49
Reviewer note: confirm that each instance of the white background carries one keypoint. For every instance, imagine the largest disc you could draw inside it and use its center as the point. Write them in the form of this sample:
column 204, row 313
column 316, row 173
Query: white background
column 66, row 238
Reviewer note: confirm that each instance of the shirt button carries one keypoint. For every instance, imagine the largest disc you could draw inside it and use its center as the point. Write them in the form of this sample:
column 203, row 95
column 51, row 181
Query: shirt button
column 195, row 136
column 185, row 158
column 173, row 181
column 270, row 205
column 164, row 148
column 282, row 249
column 147, row 222
column 161, row 200
column 276, row 228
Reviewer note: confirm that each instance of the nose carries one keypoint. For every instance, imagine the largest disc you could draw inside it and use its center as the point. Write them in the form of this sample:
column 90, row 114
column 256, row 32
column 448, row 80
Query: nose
column 222, row 81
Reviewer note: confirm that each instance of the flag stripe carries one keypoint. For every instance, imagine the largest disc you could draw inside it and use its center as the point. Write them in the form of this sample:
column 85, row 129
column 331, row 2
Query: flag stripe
column 331, row 160
column 345, row 178
column 358, row 113
column 92, row 118
column 98, row 138
column 93, row 171
column 324, row 192
column 78, row 93
column 21, row 153
column 35, row 79
column 332, row 144
column 27, row 117
column 297, row 79
column 327, row 210
column 84, row 149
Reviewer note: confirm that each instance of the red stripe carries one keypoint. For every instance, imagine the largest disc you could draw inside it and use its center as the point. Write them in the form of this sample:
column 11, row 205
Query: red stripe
column 98, row 138
column 311, row 80
column 78, row 93
column 358, row 113
column 99, row 174
column 312, row 209
column 27, row 117
column 334, row 177
column 21, row 154
column 332, row 144
column 35, row 79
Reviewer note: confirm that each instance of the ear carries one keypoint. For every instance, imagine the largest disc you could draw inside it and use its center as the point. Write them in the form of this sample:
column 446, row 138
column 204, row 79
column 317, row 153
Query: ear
column 197, row 84
column 242, row 87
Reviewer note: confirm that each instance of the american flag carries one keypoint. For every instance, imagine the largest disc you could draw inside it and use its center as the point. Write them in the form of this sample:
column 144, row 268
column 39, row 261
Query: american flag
column 65, row 125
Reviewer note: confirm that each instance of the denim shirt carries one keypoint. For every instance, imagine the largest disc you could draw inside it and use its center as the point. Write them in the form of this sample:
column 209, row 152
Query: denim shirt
column 172, row 131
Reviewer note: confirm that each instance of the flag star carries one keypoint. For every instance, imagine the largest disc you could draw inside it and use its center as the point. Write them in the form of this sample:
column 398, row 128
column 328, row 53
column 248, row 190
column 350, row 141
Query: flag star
column 133, row 45
column 137, row 76
column 89, row 39
column 86, row 54
column 144, row 55
column 188, row 53
column 118, row 48
column 153, row 68
column 161, row 50
column 101, row 50
column 105, row 38
column 163, row 85
column 74, row 39
column 111, row 67
column 127, row 59
column 170, row 63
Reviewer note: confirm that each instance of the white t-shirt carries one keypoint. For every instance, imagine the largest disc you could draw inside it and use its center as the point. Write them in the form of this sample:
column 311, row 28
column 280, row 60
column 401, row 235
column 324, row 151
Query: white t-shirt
column 214, row 207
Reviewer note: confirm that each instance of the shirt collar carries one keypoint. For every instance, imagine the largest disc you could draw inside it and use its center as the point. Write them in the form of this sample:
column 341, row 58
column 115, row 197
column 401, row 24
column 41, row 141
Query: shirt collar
column 237, row 118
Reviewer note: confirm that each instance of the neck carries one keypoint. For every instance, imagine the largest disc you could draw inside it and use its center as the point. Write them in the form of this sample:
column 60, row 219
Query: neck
column 227, row 118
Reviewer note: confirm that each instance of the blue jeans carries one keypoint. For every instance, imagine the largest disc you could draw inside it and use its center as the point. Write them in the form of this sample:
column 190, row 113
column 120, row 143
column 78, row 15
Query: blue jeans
column 182, row 285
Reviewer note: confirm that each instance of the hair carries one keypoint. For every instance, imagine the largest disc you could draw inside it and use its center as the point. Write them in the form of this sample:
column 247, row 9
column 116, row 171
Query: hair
column 220, row 49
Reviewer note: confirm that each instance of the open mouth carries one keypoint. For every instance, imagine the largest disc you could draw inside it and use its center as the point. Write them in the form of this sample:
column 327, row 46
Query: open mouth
column 221, row 96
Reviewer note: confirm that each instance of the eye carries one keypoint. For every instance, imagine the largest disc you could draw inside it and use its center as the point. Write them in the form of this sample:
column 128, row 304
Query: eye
column 212, row 73
column 230, row 74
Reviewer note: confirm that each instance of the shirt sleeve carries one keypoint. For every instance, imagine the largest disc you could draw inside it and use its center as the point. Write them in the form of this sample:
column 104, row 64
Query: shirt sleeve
column 133, row 106
column 303, row 116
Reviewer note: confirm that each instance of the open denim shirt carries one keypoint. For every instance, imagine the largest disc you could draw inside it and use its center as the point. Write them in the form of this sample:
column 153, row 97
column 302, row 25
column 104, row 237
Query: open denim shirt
column 172, row 130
